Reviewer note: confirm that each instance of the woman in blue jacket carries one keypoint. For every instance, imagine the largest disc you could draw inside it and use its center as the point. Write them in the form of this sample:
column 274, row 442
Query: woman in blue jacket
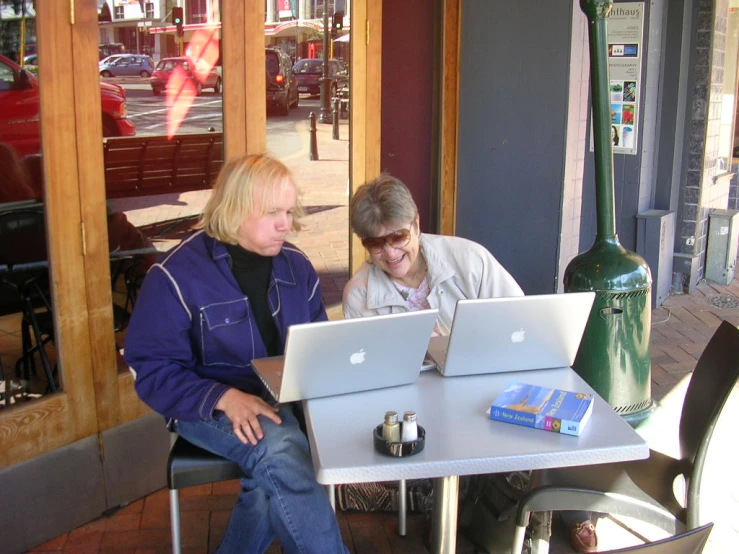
column 222, row 297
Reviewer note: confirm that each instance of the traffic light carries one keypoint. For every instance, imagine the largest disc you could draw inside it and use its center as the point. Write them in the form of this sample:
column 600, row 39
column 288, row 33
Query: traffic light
column 177, row 19
column 338, row 21
column 339, row 11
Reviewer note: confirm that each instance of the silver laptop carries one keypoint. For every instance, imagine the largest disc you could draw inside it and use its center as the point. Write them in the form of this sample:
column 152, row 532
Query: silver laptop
column 348, row 355
column 513, row 334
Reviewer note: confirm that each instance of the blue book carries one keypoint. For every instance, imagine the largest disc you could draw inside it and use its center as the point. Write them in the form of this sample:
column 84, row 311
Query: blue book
column 545, row 408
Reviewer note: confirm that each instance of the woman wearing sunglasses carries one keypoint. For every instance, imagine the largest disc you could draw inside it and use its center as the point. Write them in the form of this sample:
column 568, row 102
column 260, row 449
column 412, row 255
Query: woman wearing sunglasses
column 409, row 270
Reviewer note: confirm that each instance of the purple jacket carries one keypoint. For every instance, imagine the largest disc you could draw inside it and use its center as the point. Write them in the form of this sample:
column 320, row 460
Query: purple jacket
column 192, row 335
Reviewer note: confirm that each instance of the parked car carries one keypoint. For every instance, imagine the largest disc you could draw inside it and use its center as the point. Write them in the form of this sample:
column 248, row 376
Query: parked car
column 30, row 62
column 310, row 70
column 166, row 66
column 126, row 65
column 19, row 109
column 282, row 87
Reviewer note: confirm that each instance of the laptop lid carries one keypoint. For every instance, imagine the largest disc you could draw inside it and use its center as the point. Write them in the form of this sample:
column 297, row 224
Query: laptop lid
column 349, row 355
column 513, row 334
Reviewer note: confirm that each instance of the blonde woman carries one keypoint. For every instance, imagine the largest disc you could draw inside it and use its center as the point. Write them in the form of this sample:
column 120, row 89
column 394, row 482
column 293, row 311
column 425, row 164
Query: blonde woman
column 222, row 297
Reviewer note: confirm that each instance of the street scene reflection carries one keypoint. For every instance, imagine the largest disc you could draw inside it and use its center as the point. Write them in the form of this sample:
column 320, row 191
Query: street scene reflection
column 161, row 83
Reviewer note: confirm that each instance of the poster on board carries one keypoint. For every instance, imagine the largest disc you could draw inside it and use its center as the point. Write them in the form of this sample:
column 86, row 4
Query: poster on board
column 625, row 28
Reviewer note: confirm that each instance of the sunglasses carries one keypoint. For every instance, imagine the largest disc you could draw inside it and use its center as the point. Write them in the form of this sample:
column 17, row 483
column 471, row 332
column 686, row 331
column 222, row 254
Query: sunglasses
column 396, row 239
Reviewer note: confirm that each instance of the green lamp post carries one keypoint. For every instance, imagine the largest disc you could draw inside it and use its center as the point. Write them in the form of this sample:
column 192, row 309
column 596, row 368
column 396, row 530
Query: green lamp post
column 614, row 355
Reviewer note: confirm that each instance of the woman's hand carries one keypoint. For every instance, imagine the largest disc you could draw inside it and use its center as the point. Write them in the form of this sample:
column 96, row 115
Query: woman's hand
column 242, row 409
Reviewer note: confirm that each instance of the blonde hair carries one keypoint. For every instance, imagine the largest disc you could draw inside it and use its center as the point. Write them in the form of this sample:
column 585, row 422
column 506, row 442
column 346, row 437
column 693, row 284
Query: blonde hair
column 233, row 196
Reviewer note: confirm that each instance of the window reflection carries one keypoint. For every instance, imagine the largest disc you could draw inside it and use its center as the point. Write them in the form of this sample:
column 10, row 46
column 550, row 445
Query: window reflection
column 158, row 180
column 28, row 367
column 296, row 37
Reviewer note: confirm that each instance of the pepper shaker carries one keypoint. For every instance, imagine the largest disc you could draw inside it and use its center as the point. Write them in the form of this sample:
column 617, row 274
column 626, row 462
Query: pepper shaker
column 391, row 427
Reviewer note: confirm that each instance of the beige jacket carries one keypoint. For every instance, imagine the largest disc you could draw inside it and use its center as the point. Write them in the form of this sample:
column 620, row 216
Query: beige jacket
column 457, row 268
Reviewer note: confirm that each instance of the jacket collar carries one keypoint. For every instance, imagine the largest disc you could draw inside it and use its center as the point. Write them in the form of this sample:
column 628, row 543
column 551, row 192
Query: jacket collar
column 282, row 270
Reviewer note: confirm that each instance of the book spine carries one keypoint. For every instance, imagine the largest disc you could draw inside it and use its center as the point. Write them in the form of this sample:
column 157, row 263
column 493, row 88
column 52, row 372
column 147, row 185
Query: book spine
column 570, row 427
column 512, row 416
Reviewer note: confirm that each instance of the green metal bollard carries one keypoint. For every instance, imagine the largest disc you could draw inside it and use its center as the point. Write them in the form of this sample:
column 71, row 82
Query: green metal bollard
column 614, row 355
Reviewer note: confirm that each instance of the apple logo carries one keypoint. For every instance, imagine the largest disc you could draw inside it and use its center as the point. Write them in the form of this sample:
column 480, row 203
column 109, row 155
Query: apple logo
column 518, row 336
column 357, row 357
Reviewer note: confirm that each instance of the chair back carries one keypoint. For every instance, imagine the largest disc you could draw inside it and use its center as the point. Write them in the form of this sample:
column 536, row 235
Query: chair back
column 23, row 261
column 713, row 380
column 22, row 237
column 690, row 542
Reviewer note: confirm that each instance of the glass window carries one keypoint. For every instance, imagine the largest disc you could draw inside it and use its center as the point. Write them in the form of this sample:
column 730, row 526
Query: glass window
column 159, row 174
column 27, row 352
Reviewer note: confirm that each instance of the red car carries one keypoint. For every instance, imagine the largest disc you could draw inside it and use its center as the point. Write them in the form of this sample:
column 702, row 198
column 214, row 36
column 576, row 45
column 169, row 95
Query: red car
column 166, row 66
column 19, row 109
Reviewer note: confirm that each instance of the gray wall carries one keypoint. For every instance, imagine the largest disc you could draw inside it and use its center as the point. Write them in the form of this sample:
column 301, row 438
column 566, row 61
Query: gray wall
column 513, row 110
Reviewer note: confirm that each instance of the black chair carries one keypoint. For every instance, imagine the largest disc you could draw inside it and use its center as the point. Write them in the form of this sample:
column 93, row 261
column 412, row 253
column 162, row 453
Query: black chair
column 643, row 489
column 188, row 466
column 23, row 255
column 690, row 542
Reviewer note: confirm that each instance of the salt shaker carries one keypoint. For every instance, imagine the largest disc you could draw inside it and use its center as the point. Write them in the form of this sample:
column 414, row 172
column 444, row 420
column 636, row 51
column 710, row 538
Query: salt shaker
column 391, row 427
column 410, row 427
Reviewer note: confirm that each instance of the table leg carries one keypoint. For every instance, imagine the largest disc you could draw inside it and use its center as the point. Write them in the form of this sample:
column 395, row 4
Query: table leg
column 402, row 508
column 331, row 490
column 444, row 524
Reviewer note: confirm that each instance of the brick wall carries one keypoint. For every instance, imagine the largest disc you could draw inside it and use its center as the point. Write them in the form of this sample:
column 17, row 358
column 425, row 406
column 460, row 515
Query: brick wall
column 700, row 193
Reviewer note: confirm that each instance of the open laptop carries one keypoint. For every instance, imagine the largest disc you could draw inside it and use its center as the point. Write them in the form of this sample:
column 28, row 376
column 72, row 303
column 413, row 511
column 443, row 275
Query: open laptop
column 513, row 334
column 348, row 355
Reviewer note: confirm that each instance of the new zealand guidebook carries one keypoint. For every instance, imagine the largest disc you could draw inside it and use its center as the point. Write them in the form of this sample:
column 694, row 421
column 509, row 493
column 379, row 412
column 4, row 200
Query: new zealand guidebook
column 545, row 408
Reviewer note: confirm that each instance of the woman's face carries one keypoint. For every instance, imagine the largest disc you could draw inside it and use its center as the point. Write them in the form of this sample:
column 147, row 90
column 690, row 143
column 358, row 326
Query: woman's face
column 399, row 262
column 265, row 234
column 613, row 132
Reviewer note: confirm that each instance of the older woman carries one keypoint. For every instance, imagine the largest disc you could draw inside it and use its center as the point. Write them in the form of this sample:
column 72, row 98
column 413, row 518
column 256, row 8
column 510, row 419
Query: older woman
column 409, row 270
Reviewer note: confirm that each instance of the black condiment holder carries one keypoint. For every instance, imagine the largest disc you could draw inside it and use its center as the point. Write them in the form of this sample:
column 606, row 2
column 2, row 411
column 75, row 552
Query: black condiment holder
column 399, row 449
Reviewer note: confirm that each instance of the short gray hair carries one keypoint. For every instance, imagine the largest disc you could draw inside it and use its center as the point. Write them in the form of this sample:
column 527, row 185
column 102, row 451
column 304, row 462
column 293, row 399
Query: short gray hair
column 380, row 203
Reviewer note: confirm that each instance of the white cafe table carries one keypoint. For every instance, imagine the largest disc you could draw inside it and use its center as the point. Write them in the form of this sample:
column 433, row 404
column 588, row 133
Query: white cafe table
column 460, row 439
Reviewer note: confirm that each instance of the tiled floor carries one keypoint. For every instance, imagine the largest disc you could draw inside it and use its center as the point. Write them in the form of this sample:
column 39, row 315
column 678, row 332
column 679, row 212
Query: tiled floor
column 680, row 330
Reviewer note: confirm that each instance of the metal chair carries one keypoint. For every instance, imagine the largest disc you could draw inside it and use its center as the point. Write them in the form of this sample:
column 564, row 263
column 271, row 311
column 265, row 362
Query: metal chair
column 690, row 542
column 23, row 254
column 189, row 465
column 643, row 489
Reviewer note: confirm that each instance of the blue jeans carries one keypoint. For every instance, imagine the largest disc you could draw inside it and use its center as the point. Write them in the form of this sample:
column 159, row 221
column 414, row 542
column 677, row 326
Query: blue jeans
column 279, row 497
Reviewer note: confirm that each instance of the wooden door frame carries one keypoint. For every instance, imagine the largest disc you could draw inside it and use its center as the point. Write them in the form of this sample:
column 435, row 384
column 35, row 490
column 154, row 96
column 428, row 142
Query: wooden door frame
column 29, row 430
column 366, row 105
column 451, row 22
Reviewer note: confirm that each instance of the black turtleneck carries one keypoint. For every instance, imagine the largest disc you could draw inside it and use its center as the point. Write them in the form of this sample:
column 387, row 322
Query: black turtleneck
column 253, row 273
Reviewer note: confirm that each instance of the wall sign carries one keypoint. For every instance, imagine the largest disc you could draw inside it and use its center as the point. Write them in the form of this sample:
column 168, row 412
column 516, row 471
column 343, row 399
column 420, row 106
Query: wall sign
column 625, row 28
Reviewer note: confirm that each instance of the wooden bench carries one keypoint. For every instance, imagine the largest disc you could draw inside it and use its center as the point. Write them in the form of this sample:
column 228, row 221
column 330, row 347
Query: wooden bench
column 143, row 166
